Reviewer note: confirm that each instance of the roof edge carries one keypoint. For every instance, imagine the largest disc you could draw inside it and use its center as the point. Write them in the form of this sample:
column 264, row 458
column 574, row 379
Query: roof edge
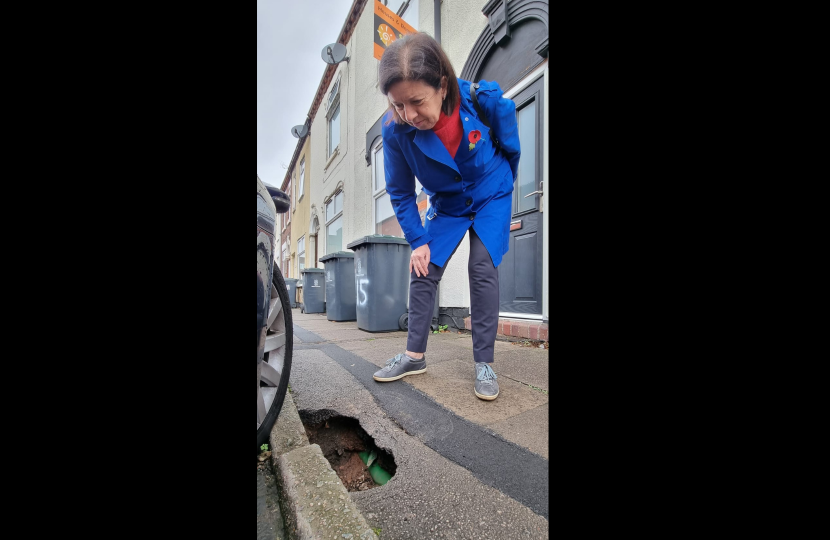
column 345, row 35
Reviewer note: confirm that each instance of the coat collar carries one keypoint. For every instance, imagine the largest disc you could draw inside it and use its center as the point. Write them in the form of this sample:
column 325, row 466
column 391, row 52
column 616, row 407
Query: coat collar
column 429, row 143
column 433, row 148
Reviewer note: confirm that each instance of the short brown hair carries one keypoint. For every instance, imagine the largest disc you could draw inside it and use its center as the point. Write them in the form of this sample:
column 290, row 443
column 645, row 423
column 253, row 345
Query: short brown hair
column 418, row 57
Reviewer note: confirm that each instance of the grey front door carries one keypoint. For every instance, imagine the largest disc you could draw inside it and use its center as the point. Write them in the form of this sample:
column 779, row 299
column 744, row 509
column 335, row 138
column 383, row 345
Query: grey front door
column 520, row 272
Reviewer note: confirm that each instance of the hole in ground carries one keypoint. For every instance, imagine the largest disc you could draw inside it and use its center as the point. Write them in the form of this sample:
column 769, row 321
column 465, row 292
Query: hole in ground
column 342, row 440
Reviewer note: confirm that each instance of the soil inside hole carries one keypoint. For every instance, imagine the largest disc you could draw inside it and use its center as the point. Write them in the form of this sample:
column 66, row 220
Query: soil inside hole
column 341, row 439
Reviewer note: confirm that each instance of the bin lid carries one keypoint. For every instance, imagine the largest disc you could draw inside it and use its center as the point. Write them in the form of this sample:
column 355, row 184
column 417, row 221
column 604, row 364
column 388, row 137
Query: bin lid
column 377, row 239
column 312, row 270
column 337, row 255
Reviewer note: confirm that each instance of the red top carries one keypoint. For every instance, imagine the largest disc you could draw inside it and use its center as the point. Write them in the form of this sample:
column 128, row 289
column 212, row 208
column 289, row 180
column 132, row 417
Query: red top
column 449, row 130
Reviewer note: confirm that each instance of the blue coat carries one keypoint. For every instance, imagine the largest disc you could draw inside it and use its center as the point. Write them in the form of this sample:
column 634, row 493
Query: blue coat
column 474, row 189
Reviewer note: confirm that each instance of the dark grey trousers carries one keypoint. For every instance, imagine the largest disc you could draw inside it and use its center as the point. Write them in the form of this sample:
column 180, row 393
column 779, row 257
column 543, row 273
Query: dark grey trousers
column 484, row 302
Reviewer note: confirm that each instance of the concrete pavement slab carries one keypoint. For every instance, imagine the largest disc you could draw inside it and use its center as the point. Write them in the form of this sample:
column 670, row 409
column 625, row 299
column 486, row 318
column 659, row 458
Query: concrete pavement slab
column 529, row 429
column 300, row 316
column 373, row 341
column 499, row 347
column 528, row 365
column 452, row 385
column 343, row 334
column 334, row 326
column 524, row 364
column 379, row 351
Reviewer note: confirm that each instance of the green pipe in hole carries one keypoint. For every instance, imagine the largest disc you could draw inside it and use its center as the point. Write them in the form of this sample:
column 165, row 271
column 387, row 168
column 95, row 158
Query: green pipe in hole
column 378, row 473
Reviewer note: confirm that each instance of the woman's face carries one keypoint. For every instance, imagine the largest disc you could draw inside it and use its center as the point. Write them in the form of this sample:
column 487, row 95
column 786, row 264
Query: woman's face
column 418, row 103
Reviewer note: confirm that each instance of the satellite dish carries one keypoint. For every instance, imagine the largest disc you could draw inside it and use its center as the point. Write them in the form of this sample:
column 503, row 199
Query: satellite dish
column 334, row 53
column 299, row 131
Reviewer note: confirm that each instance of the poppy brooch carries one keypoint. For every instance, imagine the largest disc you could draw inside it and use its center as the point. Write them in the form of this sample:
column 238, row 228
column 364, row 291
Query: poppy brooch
column 474, row 137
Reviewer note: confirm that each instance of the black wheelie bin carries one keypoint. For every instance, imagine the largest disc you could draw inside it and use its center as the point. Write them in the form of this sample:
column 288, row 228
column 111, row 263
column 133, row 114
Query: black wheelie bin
column 381, row 275
column 291, row 285
column 340, row 286
column 314, row 290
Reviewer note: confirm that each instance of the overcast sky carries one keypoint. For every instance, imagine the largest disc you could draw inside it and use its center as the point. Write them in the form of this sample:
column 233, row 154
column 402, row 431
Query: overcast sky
column 289, row 39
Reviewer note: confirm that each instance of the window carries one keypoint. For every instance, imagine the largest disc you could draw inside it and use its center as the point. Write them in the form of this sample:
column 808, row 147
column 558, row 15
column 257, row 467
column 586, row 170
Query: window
column 334, row 223
column 285, row 259
column 526, row 177
column 385, row 220
column 405, row 9
column 410, row 13
column 288, row 191
column 302, row 179
column 334, row 117
column 300, row 255
column 334, row 130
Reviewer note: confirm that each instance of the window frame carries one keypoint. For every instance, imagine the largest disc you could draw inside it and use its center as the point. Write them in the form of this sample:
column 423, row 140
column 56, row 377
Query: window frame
column 408, row 13
column 302, row 179
column 335, row 217
column 333, row 106
column 286, row 259
column 290, row 190
column 330, row 138
column 300, row 254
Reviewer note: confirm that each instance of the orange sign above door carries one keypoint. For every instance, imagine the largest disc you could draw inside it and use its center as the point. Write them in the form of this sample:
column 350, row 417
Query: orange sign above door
column 388, row 27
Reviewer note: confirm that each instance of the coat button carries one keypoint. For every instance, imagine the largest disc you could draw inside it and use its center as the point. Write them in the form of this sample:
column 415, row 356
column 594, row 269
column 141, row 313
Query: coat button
column 457, row 178
column 472, row 217
column 469, row 202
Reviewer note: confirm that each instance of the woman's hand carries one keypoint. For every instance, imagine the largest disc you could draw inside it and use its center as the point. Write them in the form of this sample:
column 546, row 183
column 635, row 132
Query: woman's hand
column 419, row 261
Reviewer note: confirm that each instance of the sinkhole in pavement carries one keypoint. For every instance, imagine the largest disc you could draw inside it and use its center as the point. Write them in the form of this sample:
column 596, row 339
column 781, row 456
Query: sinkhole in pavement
column 350, row 451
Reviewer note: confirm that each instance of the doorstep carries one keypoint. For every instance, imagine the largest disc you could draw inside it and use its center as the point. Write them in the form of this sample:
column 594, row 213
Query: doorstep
column 518, row 328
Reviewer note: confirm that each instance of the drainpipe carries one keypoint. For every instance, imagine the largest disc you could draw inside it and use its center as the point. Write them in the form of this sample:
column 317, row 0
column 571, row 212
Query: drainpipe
column 438, row 21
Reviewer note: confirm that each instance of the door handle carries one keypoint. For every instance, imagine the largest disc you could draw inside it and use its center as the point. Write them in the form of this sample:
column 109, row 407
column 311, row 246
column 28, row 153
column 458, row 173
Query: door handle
column 541, row 185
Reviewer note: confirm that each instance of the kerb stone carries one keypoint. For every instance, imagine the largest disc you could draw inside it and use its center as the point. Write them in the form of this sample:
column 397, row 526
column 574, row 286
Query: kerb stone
column 315, row 504
column 288, row 432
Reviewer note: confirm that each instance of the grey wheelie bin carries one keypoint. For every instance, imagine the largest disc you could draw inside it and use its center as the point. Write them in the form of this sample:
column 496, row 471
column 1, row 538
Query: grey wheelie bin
column 381, row 275
column 340, row 291
column 314, row 290
column 291, row 285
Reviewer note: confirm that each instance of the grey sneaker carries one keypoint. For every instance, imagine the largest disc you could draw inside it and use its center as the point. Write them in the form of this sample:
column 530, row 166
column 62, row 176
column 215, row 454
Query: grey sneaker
column 486, row 386
column 399, row 367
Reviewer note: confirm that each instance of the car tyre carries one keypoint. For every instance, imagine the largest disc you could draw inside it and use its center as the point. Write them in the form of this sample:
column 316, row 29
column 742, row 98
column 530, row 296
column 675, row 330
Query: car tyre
column 273, row 372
